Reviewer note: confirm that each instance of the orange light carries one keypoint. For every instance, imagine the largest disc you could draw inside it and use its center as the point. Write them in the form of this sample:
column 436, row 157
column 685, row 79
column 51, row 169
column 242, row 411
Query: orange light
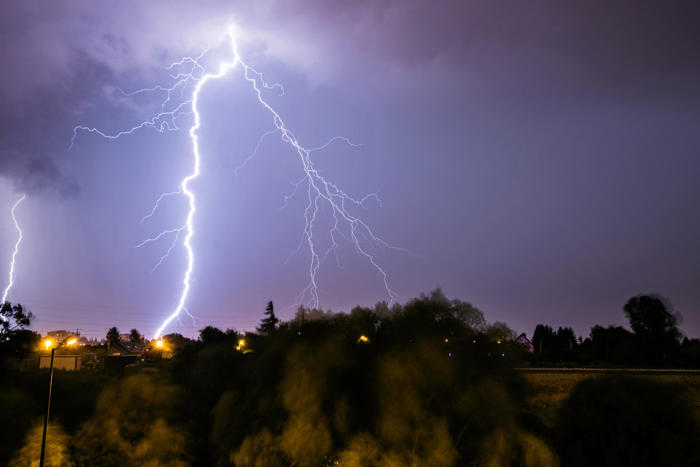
column 48, row 343
column 364, row 339
column 71, row 341
column 241, row 345
column 159, row 343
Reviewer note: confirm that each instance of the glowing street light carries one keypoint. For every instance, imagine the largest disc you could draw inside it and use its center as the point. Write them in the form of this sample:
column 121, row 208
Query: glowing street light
column 363, row 339
column 159, row 343
column 48, row 343
column 241, row 345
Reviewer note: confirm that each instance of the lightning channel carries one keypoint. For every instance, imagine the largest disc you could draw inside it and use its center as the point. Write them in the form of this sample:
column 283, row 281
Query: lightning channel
column 11, row 275
column 320, row 193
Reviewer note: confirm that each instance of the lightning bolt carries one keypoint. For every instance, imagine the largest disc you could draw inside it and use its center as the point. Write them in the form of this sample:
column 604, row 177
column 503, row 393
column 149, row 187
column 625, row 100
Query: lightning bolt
column 11, row 275
column 319, row 190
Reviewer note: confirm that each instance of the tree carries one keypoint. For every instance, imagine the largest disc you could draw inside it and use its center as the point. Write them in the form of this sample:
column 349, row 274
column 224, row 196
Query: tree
column 15, row 340
column 268, row 324
column 613, row 344
column 542, row 338
column 14, row 319
column 654, row 325
column 627, row 421
column 499, row 331
column 554, row 346
column 211, row 335
column 140, row 432
column 135, row 337
column 112, row 335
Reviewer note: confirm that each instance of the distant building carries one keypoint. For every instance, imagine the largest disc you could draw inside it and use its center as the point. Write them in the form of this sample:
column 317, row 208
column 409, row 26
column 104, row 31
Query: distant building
column 525, row 342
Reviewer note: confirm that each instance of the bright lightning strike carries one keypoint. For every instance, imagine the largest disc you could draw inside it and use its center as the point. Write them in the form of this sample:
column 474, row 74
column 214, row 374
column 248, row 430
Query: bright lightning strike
column 319, row 190
column 11, row 275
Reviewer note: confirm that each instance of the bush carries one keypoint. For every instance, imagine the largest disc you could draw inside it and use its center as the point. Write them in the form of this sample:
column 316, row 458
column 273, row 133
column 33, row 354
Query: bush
column 620, row 421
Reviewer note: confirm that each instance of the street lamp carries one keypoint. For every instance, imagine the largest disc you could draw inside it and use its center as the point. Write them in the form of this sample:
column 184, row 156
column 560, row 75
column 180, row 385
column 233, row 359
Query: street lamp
column 48, row 343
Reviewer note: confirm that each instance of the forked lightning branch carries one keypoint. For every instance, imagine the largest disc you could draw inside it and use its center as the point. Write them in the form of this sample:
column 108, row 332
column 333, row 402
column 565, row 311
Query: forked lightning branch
column 189, row 78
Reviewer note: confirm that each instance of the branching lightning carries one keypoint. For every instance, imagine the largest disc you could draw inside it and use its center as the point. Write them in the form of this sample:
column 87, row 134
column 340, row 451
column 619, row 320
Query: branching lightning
column 11, row 275
column 320, row 193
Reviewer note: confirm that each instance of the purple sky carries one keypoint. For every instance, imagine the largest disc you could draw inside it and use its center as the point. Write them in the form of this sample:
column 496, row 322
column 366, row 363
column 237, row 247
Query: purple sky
column 541, row 159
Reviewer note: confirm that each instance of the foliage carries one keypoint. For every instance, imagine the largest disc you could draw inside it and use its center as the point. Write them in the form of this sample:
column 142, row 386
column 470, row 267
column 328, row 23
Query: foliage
column 415, row 390
column 14, row 317
column 15, row 340
column 112, row 336
column 628, row 421
column 551, row 346
column 424, row 383
column 655, row 340
column 135, row 337
column 654, row 325
column 132, row 426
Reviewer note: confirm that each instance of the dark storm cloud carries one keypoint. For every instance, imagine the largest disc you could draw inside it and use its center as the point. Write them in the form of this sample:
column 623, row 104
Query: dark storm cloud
column 52, row 49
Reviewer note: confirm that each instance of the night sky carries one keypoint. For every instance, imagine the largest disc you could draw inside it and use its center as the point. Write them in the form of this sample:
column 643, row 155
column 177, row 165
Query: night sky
column 539, row 159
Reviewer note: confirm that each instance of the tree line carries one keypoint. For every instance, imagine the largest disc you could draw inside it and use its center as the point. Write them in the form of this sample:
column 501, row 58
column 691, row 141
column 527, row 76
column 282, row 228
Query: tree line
column 429, row 382
column 654, row 339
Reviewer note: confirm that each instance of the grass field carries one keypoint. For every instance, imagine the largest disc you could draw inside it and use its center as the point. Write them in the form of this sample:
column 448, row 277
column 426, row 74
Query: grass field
column 550, row 389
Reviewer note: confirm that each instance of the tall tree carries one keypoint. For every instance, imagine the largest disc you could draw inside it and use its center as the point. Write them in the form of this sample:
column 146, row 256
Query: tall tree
column 543, row 338
column 112, row 335
column 654, row 325
column 269, row 322
column 135, row 336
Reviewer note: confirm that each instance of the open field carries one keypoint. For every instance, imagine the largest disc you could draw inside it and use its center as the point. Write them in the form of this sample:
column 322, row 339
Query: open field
column 550, row 387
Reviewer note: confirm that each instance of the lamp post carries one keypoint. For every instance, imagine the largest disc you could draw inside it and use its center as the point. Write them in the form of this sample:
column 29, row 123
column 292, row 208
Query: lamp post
column 48, row 343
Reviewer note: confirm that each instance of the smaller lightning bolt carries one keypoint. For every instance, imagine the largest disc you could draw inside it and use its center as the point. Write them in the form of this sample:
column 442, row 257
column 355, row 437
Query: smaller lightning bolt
column 11, row 275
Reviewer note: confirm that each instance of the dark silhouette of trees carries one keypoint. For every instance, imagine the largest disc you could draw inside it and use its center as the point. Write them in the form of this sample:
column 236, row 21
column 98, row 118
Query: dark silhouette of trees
column 112, row 336
column 177, row 341
column 690, row 352
column 135, row 337
column 15, row 318
column 15, row 340
column 269, row 322
column 423, row 383
column 655, row 340
column 543, row 339
column 613, row 344
column 655, row 327
column 211, row 335
column 551, row 346
column 499, row 331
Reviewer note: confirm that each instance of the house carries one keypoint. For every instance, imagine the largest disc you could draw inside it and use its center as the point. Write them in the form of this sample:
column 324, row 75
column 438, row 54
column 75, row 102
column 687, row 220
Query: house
column 525, row 343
